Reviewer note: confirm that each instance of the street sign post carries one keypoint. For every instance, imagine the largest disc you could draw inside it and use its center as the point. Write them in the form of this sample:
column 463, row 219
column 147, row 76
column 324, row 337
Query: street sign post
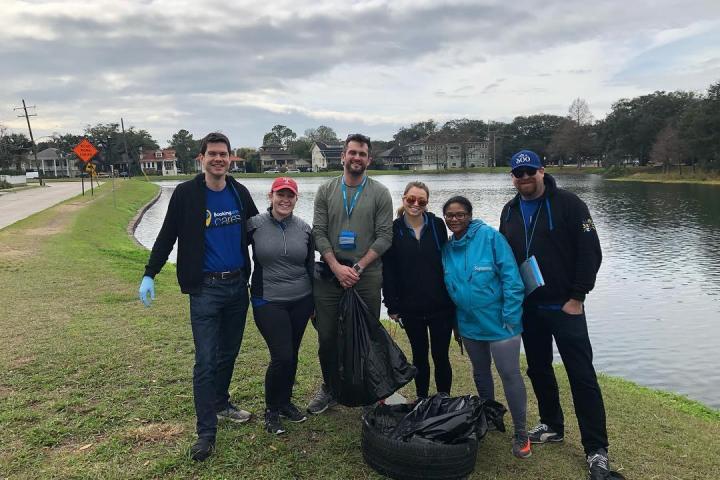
column 85, row 152
column 90, row 168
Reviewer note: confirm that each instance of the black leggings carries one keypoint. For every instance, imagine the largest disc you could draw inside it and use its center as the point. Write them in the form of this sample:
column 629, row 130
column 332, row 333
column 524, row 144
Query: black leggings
column 440, row 328
column 282, row 325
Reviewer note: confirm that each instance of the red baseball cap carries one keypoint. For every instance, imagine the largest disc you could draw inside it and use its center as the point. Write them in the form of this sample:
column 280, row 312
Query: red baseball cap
column 281, row 183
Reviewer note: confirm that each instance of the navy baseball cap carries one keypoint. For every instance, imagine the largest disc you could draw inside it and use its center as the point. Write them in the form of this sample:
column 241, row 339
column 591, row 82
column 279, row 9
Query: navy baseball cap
column 525, row 158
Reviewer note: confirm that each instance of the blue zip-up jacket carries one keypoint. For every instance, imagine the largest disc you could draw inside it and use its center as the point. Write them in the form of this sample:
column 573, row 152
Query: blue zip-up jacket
column 483, row 280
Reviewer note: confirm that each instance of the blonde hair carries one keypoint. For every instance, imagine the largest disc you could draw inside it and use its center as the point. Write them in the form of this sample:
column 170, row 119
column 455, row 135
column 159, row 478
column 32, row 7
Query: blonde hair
column 415, row 184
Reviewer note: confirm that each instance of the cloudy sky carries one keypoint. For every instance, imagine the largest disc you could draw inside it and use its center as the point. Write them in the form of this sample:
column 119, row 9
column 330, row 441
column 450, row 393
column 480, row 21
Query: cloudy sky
column 368, row 66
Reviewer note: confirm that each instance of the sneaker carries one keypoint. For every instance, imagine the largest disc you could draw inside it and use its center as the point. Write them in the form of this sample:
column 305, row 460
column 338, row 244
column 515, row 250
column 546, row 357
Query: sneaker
column 543, row 434
column 272, row 422
column 292, row 413
column 521, row 445
column 202, row 449
column 598, row 465
column 321, row 401
column 234, row 414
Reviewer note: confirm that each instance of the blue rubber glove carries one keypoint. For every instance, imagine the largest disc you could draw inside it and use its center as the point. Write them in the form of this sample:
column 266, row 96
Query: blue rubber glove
column 147, row 286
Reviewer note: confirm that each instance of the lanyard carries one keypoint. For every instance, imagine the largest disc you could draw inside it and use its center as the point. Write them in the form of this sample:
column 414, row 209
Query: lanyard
column 359, row 190
column 528, row 241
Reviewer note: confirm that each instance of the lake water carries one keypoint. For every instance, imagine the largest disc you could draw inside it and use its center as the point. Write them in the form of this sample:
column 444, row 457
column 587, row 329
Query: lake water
column 654, row 316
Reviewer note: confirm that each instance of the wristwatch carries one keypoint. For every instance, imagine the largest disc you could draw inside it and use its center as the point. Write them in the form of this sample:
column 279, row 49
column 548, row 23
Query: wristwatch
column 358, row 268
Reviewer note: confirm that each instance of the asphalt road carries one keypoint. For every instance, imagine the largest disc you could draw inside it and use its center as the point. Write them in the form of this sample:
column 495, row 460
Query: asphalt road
column 15, row 206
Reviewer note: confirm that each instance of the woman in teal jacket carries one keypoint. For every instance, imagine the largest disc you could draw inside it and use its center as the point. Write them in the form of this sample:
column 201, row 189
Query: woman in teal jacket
column 483, row 281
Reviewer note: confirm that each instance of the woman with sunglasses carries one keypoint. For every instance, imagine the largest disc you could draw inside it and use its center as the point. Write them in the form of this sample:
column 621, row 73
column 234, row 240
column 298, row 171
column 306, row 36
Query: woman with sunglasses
column 483, row 280
column 414, row 290
column 281, row 295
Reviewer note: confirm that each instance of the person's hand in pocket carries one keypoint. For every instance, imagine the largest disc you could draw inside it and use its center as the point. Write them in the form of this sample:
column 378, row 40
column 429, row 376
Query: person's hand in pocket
column 573, row 307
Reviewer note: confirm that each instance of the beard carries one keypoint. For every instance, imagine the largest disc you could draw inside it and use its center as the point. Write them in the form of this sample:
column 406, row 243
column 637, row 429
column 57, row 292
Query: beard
column 355, row 169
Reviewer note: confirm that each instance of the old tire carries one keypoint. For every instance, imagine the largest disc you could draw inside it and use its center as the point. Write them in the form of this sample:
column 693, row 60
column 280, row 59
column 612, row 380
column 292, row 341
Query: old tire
column 417, row 459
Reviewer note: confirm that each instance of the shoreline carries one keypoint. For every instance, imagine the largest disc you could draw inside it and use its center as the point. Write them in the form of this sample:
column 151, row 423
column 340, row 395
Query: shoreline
column 699, row 178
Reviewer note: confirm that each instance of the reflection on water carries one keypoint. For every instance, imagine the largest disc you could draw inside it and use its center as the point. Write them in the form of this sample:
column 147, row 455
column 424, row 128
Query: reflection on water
column 653, row 315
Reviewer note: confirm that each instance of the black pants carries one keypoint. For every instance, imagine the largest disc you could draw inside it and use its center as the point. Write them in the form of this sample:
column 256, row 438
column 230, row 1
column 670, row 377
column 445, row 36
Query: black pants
column 440, row 328
column 282, row 325
column 573, row 343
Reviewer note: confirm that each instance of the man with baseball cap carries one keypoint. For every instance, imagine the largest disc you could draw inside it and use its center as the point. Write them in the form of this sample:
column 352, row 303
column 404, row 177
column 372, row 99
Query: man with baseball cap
column 556, row 245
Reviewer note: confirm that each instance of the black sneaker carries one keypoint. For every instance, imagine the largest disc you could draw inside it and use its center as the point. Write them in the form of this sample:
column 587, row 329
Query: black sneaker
column 272, row 422
column 598, row 465
column 202, row 449
column 234, row 414
column 322, row 400
column 544, row 434
column 292, row 413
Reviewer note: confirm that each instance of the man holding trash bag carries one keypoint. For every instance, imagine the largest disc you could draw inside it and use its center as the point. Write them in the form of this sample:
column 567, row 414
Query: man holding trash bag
column 352, row 228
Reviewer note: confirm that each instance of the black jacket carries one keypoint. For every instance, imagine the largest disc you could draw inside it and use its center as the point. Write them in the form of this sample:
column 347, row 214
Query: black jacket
column 185, row 221
column 413, row 279
column 565, row 244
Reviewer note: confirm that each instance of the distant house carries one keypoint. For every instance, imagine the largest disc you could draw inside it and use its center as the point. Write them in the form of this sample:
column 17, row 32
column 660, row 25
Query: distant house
column 303, row 165
column 394, row 158
column 237, row 164
column 52, row 163
column 440, row 151
column 274, row 157
column 159, row 162
column 326, row 156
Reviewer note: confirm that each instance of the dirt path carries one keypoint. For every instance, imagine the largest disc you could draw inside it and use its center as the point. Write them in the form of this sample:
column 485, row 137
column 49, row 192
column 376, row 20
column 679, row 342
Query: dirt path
column 15, row 206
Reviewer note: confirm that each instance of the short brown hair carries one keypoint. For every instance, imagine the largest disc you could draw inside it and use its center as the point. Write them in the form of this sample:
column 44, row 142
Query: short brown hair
column 214, row 137
column 357, row 137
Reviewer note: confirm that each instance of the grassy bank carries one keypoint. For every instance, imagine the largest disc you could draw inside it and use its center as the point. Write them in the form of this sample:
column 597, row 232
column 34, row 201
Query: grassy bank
column 94, row 385
column 701, row 177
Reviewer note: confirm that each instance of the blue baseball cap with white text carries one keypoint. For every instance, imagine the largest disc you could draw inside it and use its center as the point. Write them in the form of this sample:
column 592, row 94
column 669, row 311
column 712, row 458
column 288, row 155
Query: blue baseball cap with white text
column 525, row 158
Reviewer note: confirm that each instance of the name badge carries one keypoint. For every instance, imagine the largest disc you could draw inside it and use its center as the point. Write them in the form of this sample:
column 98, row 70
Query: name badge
column 346, row 240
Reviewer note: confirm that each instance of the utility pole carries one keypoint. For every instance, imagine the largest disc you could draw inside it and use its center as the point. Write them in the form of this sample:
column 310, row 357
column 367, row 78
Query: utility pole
column 32, row 139
column 127, row 155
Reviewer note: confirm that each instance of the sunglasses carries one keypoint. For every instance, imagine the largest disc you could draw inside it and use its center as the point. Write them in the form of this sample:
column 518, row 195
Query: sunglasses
column 522, row 171
column 458, row 216
column 412, row 199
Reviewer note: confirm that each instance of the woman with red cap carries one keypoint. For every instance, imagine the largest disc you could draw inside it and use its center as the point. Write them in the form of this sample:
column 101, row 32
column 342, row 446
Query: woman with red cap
column 281, row 295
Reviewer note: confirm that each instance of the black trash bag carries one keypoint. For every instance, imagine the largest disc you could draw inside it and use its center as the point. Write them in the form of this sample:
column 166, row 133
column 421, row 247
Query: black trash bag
column 493, row 413
column 370, row 364
column 450, row 420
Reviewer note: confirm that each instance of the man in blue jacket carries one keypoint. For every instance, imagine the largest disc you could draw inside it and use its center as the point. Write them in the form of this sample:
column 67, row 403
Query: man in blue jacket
column 554, row 227
column 208, row 217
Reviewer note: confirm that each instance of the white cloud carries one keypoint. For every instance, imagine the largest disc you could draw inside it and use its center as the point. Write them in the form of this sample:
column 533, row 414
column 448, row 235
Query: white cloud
column 369, row 64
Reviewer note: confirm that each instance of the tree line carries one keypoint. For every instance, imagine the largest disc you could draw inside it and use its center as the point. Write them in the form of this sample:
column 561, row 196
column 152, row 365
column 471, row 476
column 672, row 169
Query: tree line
column 662, row 128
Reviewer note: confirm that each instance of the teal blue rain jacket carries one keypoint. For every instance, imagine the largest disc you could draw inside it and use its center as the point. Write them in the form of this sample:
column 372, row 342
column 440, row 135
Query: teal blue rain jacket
column 483, row 281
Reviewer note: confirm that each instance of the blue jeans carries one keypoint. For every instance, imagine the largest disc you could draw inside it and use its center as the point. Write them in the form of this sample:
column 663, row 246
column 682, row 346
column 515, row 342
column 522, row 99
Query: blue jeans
column 217, row 317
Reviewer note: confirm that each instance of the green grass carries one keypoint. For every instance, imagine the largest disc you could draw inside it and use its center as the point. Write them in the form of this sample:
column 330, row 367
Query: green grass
column 94, row 385
column 699, row 176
